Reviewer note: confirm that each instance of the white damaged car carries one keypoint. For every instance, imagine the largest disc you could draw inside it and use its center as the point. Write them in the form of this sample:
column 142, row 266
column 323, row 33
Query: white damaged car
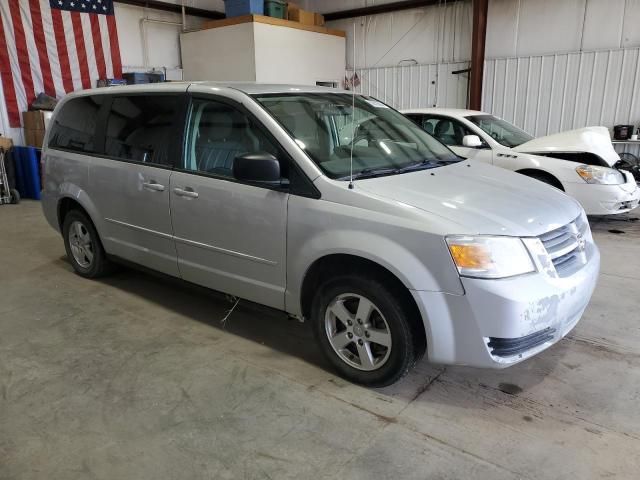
column 579, row 162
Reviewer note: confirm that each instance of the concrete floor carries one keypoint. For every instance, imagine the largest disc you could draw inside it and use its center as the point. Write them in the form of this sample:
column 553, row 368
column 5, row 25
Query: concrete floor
column 135, row 377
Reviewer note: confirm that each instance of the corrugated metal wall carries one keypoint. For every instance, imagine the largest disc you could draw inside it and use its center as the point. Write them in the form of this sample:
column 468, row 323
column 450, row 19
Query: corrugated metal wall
column 546, row 94
column 414, row 86
column 435, row 34
column 550, row 93
column 628, row 148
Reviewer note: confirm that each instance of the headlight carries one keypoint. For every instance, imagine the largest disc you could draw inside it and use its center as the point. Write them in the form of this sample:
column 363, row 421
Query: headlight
column 489, row 257
column 600, row 175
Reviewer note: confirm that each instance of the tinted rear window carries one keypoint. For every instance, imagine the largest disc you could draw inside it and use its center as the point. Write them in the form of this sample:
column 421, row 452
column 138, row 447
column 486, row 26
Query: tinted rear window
column 74, row 126
column 139, row 128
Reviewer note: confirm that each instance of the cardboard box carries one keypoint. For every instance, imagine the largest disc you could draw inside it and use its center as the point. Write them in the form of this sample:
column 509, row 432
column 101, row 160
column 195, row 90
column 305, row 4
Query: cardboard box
column 34, row 138
column 296, row 14
column 318, row 19
column 6, row 143
column 292, row 6
column 33, row 120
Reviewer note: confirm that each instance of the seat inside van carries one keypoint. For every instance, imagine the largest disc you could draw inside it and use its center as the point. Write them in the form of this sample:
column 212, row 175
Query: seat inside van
column 222, row 135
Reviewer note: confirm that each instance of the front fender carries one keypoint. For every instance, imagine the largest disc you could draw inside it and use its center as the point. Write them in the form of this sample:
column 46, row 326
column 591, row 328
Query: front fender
column 419, row 260
column 563, row 170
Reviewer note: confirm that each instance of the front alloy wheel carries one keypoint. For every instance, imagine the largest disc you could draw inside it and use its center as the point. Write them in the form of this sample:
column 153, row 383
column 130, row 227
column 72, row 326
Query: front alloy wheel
column 366, row 328
column 357, row 331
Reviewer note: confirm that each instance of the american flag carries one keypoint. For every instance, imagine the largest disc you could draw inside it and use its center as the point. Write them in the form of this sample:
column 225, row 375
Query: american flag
column 55, row 47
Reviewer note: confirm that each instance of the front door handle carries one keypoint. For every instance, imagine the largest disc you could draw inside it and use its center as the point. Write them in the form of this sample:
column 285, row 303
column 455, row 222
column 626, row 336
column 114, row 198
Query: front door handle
column 153, row 185
column 186, row 192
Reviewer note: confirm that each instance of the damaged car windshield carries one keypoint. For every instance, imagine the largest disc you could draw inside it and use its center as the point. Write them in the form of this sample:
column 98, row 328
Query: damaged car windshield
column 327, row 126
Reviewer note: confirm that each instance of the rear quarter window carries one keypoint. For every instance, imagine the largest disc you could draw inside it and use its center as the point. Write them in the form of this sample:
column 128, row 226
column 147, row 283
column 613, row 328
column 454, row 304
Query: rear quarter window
column 74, row 127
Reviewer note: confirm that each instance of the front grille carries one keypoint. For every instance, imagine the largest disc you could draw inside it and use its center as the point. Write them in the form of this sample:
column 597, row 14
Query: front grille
column 507, row 347
column 565, row 246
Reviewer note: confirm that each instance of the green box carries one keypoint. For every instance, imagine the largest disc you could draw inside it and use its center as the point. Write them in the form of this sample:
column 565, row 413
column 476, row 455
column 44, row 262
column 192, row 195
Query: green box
column 275, row 8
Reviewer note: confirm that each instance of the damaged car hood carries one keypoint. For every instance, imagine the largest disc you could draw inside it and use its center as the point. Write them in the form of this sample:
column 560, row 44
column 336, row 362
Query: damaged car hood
column 481, row 198
column 594, row 140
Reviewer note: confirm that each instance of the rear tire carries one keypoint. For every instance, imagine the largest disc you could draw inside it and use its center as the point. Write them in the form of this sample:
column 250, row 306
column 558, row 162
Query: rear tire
column 364, row 330
column 83, row 246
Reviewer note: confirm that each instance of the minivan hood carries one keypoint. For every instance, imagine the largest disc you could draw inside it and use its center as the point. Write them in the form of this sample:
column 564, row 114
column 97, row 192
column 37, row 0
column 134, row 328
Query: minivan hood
column 480, row 198
column 594, row 140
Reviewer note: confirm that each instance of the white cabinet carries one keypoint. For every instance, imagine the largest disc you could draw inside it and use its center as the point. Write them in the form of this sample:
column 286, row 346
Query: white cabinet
column 266, row 50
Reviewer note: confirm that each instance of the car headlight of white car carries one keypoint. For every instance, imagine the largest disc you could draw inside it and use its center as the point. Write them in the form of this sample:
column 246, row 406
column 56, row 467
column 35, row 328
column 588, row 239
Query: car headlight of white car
column 489, row 257
column 600, row 175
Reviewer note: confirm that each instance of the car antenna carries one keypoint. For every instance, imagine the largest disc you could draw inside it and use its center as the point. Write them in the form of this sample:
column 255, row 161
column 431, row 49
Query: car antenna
column 353, row 109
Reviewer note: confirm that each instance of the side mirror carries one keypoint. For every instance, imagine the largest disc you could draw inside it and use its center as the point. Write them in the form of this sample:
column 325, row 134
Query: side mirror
column 258, row 167
column 471, row 141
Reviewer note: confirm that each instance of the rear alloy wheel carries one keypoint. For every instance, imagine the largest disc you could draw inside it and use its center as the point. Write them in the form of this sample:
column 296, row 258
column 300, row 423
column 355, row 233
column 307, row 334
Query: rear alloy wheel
column 364, row 329
column 80, row 244
column 83, row 246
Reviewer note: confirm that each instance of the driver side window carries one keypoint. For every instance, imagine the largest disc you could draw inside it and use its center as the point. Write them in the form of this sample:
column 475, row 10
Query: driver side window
column 447, row 130
column 218, row 133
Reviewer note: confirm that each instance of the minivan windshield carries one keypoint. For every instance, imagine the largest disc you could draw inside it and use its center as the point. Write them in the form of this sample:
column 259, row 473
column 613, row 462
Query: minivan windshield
column 328, row 126
column 502, row 132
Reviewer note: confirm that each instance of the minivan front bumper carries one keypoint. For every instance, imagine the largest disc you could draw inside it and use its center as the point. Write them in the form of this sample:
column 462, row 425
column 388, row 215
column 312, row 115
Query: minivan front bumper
column 498, row 323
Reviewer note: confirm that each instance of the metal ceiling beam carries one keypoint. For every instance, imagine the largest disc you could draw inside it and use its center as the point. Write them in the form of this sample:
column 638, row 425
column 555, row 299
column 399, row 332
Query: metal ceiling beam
column 173, row 8
column 382, row 8
column 478, row 42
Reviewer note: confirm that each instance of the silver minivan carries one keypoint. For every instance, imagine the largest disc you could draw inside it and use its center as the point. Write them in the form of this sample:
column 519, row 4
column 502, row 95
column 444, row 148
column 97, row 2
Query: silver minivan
column 330, row 206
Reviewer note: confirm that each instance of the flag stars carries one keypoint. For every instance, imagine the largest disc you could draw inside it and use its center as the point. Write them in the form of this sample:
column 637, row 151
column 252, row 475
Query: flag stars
column 99, row 7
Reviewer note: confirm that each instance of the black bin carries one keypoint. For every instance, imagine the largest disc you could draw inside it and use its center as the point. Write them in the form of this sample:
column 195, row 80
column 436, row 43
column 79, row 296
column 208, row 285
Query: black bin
column 622, row 132
column 135, row 78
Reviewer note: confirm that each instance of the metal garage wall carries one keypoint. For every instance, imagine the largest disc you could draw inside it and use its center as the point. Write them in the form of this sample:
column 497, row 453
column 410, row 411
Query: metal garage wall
column 560, row 64
column 416, row 85
column 435, row 34
column 550, row 93
column 150, row 39
column 405, row 58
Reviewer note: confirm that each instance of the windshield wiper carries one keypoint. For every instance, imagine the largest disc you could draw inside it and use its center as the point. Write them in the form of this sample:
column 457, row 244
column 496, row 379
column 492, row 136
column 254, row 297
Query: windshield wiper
column 379, row 172
column 424, row 164
column 370, row 172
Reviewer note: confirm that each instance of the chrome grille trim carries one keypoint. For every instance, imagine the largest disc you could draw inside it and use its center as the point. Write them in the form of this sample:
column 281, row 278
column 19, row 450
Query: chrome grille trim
column 565, row 247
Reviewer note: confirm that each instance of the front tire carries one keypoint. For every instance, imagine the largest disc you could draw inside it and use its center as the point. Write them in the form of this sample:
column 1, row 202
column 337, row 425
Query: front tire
column 83, row 246
column 363, row 328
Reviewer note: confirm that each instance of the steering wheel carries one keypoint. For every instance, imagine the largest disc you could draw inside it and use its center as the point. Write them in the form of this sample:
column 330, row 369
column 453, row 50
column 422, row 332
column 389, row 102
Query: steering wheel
column 359, row 137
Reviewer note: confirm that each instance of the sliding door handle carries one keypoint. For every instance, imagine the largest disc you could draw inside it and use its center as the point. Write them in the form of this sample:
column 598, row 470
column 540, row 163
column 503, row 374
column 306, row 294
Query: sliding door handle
column 152, row 185
column 186, row 192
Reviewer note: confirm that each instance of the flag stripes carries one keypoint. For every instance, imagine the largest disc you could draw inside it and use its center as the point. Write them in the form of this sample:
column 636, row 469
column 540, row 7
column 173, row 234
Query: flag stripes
column 44, row 49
